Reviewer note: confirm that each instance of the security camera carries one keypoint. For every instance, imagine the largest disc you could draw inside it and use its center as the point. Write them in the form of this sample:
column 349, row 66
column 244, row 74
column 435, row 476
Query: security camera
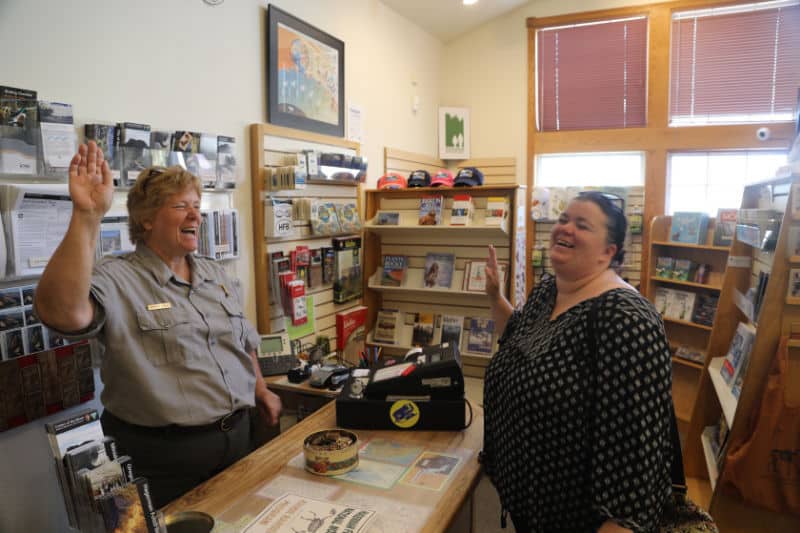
column 762, row 134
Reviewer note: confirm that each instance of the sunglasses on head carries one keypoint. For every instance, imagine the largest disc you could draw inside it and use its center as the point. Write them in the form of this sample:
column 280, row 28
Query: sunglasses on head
column 613, row 199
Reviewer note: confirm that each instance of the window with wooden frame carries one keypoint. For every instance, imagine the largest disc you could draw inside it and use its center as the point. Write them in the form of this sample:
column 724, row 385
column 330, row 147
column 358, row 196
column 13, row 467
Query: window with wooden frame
column 592, row 75
column 735, row 64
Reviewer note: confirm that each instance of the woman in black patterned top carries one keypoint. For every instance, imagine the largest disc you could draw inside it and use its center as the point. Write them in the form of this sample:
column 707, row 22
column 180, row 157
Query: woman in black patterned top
column 577, row 398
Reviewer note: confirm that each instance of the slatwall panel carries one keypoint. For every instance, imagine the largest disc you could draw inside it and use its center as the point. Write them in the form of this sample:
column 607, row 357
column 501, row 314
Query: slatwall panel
column 632, row 267
column 496, row 170
column 278, row 150
column 404, row 163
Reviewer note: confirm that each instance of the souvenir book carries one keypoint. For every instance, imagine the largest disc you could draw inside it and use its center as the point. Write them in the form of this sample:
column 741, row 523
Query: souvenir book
column 386, row 326
column 387, row 218
column 496, row 211
column 706, row 309
column 664, row 266
column 430, row 210
column 438, row 270
column 480, row 337
column 461, row 210
column 725, row 229
column 682, row 270
column 422, row 334
column 351, row 333
column 735, row 359
column 689, row 227
column 349, row 220
column 680, row 305
column 394, row 270
column 129, row 508
column 452, row 326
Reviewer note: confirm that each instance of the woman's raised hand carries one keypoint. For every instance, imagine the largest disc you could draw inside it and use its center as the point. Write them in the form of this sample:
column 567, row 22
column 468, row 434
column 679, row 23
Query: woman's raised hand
column 492, row 281
column 90, row 183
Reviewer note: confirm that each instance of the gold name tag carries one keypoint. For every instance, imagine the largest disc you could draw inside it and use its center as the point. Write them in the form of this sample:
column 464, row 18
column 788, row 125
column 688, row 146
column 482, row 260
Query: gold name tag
column 156, row 307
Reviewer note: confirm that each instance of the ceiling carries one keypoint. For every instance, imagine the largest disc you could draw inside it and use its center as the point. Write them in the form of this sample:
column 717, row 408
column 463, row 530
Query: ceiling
column 447, row 19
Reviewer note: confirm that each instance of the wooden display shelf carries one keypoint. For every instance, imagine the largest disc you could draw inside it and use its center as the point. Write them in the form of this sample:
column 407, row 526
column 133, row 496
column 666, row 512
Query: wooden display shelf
column 694, row 246
column 687, row 362
column 687, row 283
column 455, row 232
column 686, row 323
column 413, row 285
column 711, row 459
column 726, row 398
column 794, row 259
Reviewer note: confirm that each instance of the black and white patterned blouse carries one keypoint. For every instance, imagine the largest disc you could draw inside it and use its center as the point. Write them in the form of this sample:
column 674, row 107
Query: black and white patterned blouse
column 574, row 438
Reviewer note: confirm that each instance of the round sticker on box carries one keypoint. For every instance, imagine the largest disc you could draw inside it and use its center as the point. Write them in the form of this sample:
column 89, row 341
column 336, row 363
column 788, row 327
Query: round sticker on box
column 404, row 414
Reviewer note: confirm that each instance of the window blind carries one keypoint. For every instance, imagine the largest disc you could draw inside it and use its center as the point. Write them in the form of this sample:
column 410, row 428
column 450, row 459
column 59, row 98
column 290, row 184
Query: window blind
column 735, row 64
column 592, row 76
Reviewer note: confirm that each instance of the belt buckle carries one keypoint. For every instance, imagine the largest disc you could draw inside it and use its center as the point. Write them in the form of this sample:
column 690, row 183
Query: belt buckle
column 224, row 426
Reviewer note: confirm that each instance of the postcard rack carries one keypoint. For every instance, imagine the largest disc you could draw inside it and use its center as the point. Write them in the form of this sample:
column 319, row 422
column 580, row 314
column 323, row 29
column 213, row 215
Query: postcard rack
column 270, row 146
column 467, row 243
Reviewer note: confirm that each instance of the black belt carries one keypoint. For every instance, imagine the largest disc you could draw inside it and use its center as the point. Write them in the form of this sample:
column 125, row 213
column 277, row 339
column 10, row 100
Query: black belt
column 224, row 424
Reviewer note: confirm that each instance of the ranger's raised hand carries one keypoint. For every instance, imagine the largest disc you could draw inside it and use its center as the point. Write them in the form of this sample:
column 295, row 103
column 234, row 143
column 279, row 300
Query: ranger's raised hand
column 90, row 183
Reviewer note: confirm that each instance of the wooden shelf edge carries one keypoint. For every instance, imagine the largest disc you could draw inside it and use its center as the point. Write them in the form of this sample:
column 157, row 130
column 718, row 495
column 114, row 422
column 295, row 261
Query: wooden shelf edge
column 687, row 362
column 726, row 399
column 695, row 246
column 687, row 283
column 792, row 301
column 685, row 323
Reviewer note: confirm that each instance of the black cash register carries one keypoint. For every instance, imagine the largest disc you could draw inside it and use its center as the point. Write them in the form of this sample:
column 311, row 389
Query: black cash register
column 426, row 391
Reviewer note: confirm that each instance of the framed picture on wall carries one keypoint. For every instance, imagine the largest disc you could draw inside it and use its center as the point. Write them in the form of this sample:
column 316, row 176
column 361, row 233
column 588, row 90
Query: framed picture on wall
column 305, row 75
column 453, row 133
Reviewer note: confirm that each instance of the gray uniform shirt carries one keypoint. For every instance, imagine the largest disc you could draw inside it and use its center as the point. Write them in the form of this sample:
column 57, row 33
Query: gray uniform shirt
column 173, row 352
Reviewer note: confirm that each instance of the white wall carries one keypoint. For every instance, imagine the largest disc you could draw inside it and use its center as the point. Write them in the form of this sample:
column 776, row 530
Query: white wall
column 487, row 72
column 181, row 64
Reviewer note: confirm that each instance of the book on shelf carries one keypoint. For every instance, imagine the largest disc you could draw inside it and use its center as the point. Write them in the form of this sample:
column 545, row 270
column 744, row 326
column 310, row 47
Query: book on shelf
column 430, row 210
column 422, row 334
column 386, row 326
column 760, row 292
column 680, row 305
column 660, row 300
column 452, row 327
column 475, row 276
column 351, row 333
column 480, row 337
column 725, row 229
column 701, row 273
column 705, row 309
column 462, row 210
column 689, row 227
column 347, row 269
column 387, row 218
column 347, row 212
column 394, row 270
column 690, row 354
column 682, row 270
column 664, row 266
column 496, row 211
column 739, row 350
column 793, row 290
column 438, row 270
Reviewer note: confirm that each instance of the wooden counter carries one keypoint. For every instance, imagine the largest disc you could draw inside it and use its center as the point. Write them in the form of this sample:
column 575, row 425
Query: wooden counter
column 238, row 494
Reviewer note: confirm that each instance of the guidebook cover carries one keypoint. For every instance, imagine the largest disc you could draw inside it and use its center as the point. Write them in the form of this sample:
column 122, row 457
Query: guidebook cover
column 689, row 228
column 438, row 270
column 394, row 270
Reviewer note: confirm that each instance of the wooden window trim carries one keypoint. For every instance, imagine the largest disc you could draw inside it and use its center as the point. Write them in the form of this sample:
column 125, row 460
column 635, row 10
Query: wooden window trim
column 656, row 139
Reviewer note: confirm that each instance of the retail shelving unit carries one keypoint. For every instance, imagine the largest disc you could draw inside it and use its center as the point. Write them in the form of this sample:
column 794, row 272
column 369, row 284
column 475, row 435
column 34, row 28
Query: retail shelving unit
column 695, row 336
column 753, row 252
column 465, row 242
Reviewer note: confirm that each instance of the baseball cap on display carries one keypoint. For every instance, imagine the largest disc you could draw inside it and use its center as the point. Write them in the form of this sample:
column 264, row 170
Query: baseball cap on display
column 392, row 180
column 442, row 178
column 468, row 177
column 419, row 178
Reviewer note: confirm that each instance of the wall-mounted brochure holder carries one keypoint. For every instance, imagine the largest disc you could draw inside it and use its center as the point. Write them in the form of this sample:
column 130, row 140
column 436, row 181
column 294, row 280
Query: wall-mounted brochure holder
column 30, row 153
column 35, row 218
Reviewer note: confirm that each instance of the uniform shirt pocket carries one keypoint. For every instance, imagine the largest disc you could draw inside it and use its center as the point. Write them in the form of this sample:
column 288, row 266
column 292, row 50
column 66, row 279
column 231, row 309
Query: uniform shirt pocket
column 161, row 333
column 236, row 316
